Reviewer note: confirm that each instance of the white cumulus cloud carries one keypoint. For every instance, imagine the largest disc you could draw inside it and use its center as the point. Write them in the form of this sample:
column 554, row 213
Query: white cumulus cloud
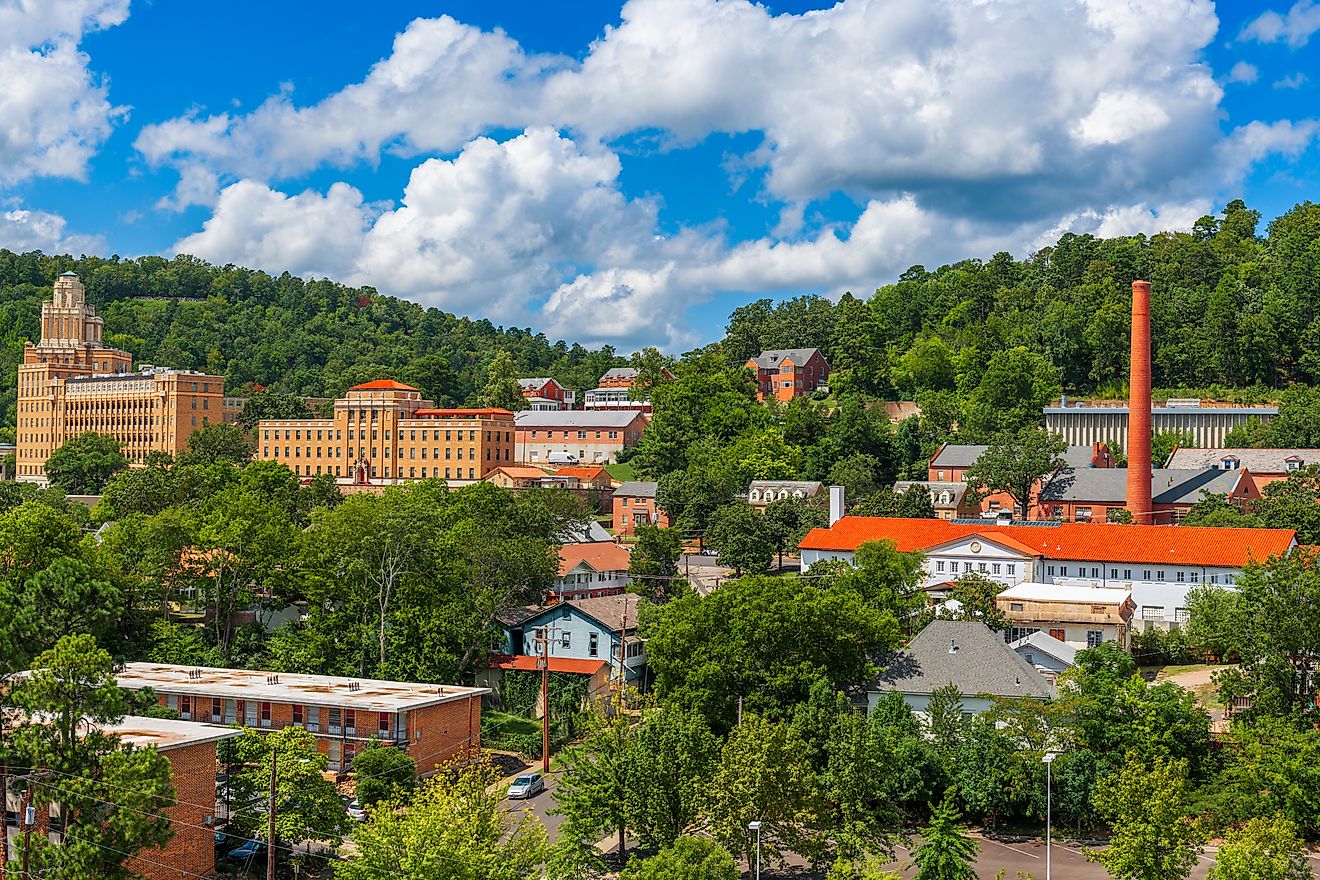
column 23, row 230
column 1243, row 72
column 1294, row 27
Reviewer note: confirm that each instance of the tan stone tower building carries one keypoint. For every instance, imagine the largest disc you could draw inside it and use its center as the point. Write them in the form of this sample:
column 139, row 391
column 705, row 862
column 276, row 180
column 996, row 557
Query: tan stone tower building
column 71, row 382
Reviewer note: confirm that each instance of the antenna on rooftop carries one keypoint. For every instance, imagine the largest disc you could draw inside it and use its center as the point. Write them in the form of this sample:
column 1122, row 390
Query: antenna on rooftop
column 953, row 647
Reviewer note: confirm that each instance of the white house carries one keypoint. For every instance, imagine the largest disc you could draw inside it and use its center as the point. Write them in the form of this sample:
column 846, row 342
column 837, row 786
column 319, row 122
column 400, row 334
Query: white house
column 592, row 569
column 1049, row 655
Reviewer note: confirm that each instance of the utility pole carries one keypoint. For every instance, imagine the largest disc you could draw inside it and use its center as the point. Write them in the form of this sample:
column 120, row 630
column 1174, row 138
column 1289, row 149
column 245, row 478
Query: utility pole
column 26, row 821
column 4, row 806
column 270, row 826
column 545, row 699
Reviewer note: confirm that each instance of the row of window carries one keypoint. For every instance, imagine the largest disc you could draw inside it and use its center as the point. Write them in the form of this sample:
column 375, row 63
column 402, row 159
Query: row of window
column 1009, row 568
column 1182, row 577
column 336, row 452
column 353, row 434
column 1094, row 637
column 260, row 713
column 413, row 473
column 1156, row 612
column 581, row 435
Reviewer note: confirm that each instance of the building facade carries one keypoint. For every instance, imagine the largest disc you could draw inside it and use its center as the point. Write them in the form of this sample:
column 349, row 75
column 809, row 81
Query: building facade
column 614, row 391
column 593, row 569
column 763, row 492
column 71, row 382
column 1090, row 496
column 786, row 373
column 433, row 723
column 599, row 628
column 384, row 433
column 1107, row 554
column 544, row 393
column 1098, row 422
column 584, row 436
column 1078, row 616
column 634, row 505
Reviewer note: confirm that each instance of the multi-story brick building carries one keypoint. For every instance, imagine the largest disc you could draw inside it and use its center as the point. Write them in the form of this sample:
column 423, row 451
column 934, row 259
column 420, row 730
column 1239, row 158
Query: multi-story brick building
column 634, row 505
column 71, row 382
column 383, row 432
column 545, row 393
column 191, row 750
column 434, row 723
column 614, row 391
column 576, row 437
column 790, row 372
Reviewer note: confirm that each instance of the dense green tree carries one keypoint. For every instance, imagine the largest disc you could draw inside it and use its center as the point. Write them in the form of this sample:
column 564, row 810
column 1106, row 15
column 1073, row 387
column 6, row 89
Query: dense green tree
column 596, row 782
column 455, row 828
column 111, row 797
column 744, row 539
column 763, row 775
column 1162, row 444
column 1152, row 837
column 946, row 851
column 762, row 639
column 502, row 389
column 1263, row 849
column 383, row 772
column 307, row 804
column 83, row 465
column 1013, row 386
column 1216, row 620
column 1273, row 770
column 688, row 858
column 789, row 519
column 220, row 442
column 654, row 559
column 1015, row 462
column 271, row 404
column 671, row 758
column 976, row 594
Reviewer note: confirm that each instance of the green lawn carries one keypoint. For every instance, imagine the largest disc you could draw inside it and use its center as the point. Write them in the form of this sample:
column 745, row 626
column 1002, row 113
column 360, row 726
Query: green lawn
column 509, row 723
column 621, row 472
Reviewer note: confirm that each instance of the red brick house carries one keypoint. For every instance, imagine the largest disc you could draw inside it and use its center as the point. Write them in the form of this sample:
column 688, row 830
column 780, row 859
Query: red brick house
column 789, row 372
column 545, row 393
column 634, row 505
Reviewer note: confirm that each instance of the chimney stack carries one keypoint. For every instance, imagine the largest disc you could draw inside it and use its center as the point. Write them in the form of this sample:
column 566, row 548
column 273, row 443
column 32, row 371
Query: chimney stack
column 836, row 504
column 1139, row 414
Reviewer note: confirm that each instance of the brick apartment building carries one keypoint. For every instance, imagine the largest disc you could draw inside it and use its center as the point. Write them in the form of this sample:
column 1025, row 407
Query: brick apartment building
column 590, row 436
column 434, row 723
column 614, row 391
column 383, row 432
column 790, row 372
column 191, row 751
column 71, row 381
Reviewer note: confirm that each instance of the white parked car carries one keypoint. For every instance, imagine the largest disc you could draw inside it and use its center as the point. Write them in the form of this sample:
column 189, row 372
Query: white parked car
column 526, row 786
column 355, row 810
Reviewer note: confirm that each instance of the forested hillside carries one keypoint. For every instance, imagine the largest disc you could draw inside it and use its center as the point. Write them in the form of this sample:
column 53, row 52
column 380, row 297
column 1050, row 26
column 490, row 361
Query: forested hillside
column 1234, row 314
column 314, row 338
column 1228, row 308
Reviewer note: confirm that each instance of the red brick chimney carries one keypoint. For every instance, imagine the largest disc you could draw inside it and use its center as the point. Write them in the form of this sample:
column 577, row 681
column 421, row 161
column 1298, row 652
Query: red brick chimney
column 1139, row 415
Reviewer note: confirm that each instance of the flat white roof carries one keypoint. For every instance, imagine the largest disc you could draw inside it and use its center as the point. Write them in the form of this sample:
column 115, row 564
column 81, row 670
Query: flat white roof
column 282, row 687
column 1033, row 592
column 164, row 733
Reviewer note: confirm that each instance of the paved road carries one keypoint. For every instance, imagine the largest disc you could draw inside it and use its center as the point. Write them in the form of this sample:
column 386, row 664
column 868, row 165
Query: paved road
column 703, row 571
column 539, row 805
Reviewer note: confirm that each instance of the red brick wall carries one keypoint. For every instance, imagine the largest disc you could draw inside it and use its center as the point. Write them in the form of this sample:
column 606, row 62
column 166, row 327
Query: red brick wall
column 192, row 850
column 443, row 732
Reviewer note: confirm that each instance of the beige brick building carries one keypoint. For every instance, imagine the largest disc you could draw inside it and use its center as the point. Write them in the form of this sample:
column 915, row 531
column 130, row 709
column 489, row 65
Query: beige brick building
column 71, row 382
column 383, row 432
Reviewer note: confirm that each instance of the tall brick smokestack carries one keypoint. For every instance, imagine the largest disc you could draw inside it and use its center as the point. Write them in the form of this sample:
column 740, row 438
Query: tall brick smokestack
column 1139, row 416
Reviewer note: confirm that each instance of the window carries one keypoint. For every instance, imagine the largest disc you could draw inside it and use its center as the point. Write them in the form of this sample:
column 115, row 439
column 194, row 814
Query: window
column 1012, row 568
column 1127, row 574
column 217, row 710
column 297, row 714
column 185, row 707
column 1152, row 612
column 250, row 713
column 1214, row 578
column 1015, row 606
column 1049, row 570
column 1145, row 574
column 1094, row 638
column 336, row 721
column 265, row 714
column 1083, row 514
column 1181, row 577
column 313, row 719
column 1058, row 634
column 1097, row 609
column 566, row 639
column 1181, row 615
column 939, row 565
column 1013, row 633
column 1159, row 575
column 350, row 721
column 593, row 644
column 1113, row 574
column 383, row 723
column 994, row 568
column 980, row 566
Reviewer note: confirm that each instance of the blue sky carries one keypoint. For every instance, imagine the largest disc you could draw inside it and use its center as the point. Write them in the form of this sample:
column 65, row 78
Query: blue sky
column 629, row 174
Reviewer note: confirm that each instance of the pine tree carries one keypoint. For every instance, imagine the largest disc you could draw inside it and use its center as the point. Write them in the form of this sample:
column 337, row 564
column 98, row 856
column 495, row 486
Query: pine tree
column 948, row 853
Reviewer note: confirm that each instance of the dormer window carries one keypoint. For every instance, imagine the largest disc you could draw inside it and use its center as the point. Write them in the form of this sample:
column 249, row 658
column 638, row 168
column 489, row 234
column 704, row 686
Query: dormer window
column 1229, row 463
column 754, row 495
column 1293, row 463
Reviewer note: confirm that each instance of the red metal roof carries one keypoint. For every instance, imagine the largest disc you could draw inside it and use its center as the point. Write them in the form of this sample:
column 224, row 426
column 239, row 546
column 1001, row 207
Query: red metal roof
column 529, row 663
column 600, row 555
column 582, row 473
column 1089, row 542
column 382, row 385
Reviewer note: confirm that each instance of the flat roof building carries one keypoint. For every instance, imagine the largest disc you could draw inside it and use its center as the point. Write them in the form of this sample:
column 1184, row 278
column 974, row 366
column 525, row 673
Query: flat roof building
column 594, row 436
column 385, row 433
column 434, row 723
column 1100, row 422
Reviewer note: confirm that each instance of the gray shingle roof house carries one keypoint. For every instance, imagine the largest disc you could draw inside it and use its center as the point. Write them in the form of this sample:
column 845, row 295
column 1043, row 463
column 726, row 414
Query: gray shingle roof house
column 636, row 489
column 1109, row 485
column 1043, row 651
column 967, row 654
column 1261, row 462
column 769, row 360
column 964, row 455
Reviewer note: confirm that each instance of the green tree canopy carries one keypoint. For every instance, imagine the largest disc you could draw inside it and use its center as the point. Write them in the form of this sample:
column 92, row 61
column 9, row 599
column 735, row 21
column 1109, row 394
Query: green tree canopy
column 83, row 465
column 1015, row 462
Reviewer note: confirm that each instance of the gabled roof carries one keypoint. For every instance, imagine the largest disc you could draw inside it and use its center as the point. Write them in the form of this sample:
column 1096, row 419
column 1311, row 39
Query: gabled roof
column 620, row 373
column 957, row 490
column 1089, row 542
column 961, row 455
column 1043, row 643
column 965, row 653
column 611, row 611
column 599, row 556
column 518, row 472
column 537, row 382
column 770, row 360
column 1109, row 485
column 809, row 487
column 382, row 385
column 584, row 531
column 1258, row 461
column 582, row 473
column 636, row 489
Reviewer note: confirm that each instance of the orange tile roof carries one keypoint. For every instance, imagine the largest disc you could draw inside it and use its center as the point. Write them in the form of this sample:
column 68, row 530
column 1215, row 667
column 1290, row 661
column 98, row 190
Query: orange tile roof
column 600, row 555
column 557, row 664
column 1089, row 542
column 382, row 385
column 582, row 473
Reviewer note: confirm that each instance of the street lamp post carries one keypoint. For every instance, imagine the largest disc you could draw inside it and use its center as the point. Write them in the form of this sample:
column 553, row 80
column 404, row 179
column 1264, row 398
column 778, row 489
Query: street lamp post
column 756, row 826
column 1049, row 762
